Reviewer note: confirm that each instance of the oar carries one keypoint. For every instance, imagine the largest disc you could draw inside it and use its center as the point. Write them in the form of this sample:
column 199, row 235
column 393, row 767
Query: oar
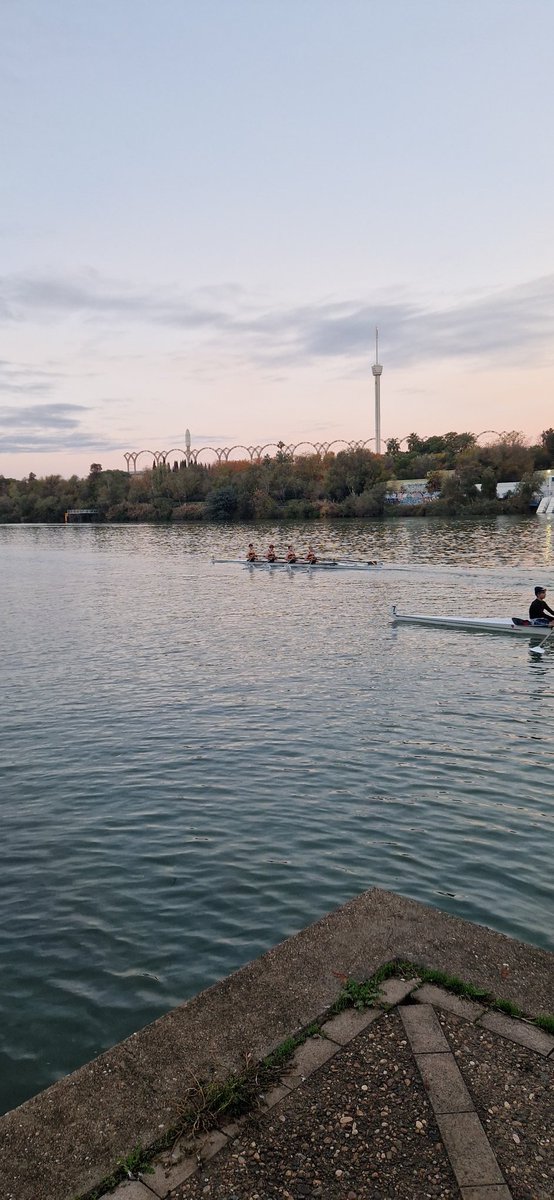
column 358, row 562
column 540, row 648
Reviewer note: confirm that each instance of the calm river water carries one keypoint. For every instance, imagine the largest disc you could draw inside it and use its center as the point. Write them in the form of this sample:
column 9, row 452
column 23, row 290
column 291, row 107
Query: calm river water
column 199, row 760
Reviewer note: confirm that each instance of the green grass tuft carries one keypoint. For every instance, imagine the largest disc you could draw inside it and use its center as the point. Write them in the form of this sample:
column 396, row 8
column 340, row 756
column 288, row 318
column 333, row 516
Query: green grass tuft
column 135, row 1163
column 545, row 1021
column 506, row 1006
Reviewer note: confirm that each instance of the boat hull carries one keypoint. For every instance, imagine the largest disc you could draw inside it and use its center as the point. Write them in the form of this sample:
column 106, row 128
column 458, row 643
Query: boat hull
column 262, row 565
column 482, row 624
column 303, row 566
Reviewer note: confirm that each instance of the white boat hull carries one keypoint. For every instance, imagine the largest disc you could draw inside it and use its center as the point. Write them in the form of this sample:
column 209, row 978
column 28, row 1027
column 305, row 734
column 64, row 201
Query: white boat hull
column 484, row 624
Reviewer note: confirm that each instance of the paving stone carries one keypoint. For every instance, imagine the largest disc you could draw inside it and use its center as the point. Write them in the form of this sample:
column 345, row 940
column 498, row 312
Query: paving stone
column 166, row 1178
column 130, row 1190
column 233, row 1127
column 468, row 1149
column 422, row 1027
column 497, row 1191
column 212, row 1144
column 311, row 1055
column 394, row 991
column 429, row 994
column 518, row 1031
column 347, row 1024
column 444, row 1084
column 276, row 1094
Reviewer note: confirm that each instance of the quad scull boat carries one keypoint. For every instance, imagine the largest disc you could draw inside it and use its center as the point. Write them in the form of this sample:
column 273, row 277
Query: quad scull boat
column 281, row 564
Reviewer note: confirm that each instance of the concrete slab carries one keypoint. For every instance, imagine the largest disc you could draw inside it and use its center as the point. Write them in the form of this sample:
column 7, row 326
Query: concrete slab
column 468, row 1149
column 443, row 1083
column 519, row 1031
column 347, row 1024
column 77, row 1130
column 130, row 1191
column 394, row 991
column 497, row 1191
column 165, row 1178
column 428, row 993
column 311, row 1055
column 212, row 1144
column 275, row 1096
column 422, row 1027
column 409, row 931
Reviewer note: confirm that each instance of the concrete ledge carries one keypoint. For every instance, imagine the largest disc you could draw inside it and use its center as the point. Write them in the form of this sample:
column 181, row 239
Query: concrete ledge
column 66, row 1140
column 518, row 1031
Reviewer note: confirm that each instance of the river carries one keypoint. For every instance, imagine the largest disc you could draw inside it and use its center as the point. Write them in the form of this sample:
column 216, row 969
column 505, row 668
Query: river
column 199, row 760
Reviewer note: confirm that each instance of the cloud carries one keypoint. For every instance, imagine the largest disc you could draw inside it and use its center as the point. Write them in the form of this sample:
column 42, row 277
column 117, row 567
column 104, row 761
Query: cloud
column 508, row 324
column 504, row 325
column 48, row 427
column 45, row 416
column 20, row 379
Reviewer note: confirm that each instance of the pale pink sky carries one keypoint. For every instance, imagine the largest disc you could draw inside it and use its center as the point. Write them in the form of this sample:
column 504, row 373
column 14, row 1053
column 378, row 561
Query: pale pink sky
column 209, row 207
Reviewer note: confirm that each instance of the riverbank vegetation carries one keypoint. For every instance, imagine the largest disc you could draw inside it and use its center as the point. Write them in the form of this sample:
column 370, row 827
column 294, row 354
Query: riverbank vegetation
column 459, row 478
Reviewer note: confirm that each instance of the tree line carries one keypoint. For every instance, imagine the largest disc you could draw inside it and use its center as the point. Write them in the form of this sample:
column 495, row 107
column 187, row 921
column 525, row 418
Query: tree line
column 460, row 475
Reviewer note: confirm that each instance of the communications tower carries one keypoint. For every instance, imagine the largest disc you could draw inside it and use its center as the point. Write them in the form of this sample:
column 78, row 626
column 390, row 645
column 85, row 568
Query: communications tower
column 377, row 372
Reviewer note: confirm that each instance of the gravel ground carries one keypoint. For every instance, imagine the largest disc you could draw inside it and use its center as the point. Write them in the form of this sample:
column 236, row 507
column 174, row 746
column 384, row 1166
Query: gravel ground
column 513, row 1092
column 361, row 1128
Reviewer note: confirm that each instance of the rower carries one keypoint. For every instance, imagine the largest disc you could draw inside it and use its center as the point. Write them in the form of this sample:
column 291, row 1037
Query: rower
column 539, row 608
column 291, row 555
column 311, row 556
column 251, row 555
column 271, row 555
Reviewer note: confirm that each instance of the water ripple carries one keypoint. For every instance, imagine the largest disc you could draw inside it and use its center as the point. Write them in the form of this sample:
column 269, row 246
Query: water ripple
column 198, row 761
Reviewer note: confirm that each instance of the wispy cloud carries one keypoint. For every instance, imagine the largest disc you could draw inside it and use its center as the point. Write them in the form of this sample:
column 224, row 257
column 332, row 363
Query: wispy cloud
column 48, row 427
column 42, row 416
column 21, row 379
column 504, row 324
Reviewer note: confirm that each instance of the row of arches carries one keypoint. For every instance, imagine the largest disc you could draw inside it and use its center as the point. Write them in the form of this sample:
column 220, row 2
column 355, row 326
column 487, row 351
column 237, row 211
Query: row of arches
column 222, row 454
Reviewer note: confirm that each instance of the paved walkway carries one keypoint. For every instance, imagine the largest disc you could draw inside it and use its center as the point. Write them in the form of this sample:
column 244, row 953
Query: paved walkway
column 434, row 1097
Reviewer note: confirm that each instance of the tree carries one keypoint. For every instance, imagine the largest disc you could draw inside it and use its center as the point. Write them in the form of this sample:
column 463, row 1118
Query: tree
column 527, row 489
column 415, row 444
column 94, row 474
column 488, row 484
column 353, row 472
column 221, row 504
column 547, row 443
column 434, row 482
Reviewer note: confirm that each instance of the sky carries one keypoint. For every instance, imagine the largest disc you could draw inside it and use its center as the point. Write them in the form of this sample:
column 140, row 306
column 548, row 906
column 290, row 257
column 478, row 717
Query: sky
column 206, row 207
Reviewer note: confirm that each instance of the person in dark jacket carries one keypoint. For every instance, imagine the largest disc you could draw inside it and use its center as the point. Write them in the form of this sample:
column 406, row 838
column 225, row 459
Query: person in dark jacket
column 539, row 608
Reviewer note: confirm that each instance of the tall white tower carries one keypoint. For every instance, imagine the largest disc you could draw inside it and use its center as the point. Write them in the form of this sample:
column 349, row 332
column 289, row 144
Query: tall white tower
column 377, row 372
column 187, row 447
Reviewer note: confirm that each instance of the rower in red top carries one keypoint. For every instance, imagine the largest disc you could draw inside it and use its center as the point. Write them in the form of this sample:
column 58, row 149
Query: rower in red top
column 290, row 556
column 311, row 556
column 251, row 555
column 271, row 555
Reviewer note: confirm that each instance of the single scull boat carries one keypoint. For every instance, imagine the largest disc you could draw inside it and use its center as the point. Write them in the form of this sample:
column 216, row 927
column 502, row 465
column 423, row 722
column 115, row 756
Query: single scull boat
column 485, row 624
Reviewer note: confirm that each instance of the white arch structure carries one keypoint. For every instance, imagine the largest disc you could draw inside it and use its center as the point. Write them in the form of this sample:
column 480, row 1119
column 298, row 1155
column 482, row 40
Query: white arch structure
column 252, row 453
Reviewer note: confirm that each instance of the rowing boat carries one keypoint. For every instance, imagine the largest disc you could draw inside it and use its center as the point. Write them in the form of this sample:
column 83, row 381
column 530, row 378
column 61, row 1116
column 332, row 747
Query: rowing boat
column 485, row 624
column 281, row 564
